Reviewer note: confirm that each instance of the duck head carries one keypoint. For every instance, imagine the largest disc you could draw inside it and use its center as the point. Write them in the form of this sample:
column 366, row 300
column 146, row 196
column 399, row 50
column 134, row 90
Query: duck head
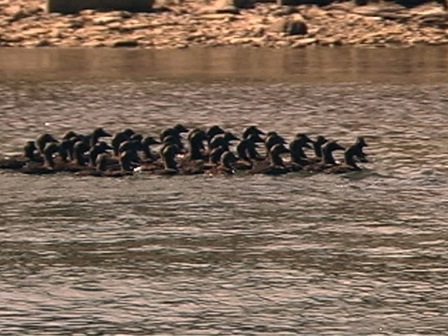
column 214, row 131
column 252, row 130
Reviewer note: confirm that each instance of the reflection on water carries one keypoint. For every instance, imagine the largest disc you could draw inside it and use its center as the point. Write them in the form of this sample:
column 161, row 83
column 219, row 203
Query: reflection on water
column 290, row 255
column 324, row 65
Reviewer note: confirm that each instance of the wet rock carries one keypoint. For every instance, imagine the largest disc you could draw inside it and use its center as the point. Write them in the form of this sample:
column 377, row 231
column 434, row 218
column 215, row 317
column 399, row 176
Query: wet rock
column 304, row 42
column 290, row 25
column 125, row 43
column 234, row 3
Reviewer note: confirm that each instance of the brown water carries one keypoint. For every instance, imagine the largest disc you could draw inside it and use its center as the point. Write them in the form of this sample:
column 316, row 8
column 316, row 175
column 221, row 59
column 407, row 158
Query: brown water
column 195, row 255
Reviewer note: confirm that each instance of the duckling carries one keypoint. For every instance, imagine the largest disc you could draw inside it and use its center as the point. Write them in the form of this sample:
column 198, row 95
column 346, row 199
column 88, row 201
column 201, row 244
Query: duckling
column 48, row 165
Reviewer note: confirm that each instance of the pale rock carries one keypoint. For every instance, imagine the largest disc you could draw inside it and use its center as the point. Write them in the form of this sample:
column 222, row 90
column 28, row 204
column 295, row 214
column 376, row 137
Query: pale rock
column 304, row 42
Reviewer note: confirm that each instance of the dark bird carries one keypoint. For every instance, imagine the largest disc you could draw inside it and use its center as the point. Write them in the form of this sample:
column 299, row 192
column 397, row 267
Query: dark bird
column 47, row 167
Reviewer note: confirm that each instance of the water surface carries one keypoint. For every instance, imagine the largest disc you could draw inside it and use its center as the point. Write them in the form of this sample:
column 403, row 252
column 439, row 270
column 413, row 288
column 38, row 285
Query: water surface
column 247, row 255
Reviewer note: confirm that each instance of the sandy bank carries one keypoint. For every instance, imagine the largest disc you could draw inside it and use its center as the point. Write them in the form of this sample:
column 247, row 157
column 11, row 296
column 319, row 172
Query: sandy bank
column 24, row 23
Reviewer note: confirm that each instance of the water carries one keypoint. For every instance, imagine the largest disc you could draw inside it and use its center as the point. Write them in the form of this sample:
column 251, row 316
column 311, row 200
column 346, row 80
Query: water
column 257, row 255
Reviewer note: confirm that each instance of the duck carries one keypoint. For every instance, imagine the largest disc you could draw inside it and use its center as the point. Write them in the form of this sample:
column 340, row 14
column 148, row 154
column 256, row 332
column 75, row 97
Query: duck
column 273, row 139
column 275, row 165
column 48, row 165
column 349, row 164
column 225, row 166
column 42, row 141
column 327, row 157
column 317, row 146
column 196, row 142
column 176, row 133
column 247, row 153
column 96, row 135
column 69, row 134
column 77, row 163
column 222, row 140
column 103, row 168
column 19, row 161
column 99, row 148
column 120, row 137
column 168, row 155
column 147, row 154
column 296, row 148
column 214, row 131
column 252, row 130
column 359, row 144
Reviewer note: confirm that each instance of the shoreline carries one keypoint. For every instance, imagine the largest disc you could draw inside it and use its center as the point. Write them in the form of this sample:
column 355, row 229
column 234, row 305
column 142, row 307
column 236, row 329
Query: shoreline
column 191, row 24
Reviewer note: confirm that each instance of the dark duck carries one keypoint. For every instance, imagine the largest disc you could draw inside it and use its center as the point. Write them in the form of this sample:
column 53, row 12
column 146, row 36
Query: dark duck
column 48, row 165
column 104, row 169
column 328, row 160
column 275, row 165
column 19, row 161
column 42, row 141
column 147, row 154
column 120, row 137
column 349, row 164
column 247, row 153
column 296, row 148
column 252, row 130
column 359, row 144
column 222, row 140
column 94, row 137
column 225, row 166
column 176, row 133
column 317, row 146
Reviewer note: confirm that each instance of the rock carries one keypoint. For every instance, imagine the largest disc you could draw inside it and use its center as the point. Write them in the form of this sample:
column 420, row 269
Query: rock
column 234, row 3
column 304, row 42
column 214, row 10
column 290, row 26
column 104, row 20
column 127, row 43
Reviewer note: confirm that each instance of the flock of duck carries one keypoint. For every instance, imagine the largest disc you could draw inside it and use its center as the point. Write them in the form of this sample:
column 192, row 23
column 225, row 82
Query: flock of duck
column 179, row 150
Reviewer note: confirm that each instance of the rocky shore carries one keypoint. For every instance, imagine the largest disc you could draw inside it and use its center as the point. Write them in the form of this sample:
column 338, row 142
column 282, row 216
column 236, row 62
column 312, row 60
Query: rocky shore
column 25, row 23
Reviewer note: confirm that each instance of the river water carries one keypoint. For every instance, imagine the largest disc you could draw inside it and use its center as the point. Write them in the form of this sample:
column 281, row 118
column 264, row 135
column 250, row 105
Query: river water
column 256, row 255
